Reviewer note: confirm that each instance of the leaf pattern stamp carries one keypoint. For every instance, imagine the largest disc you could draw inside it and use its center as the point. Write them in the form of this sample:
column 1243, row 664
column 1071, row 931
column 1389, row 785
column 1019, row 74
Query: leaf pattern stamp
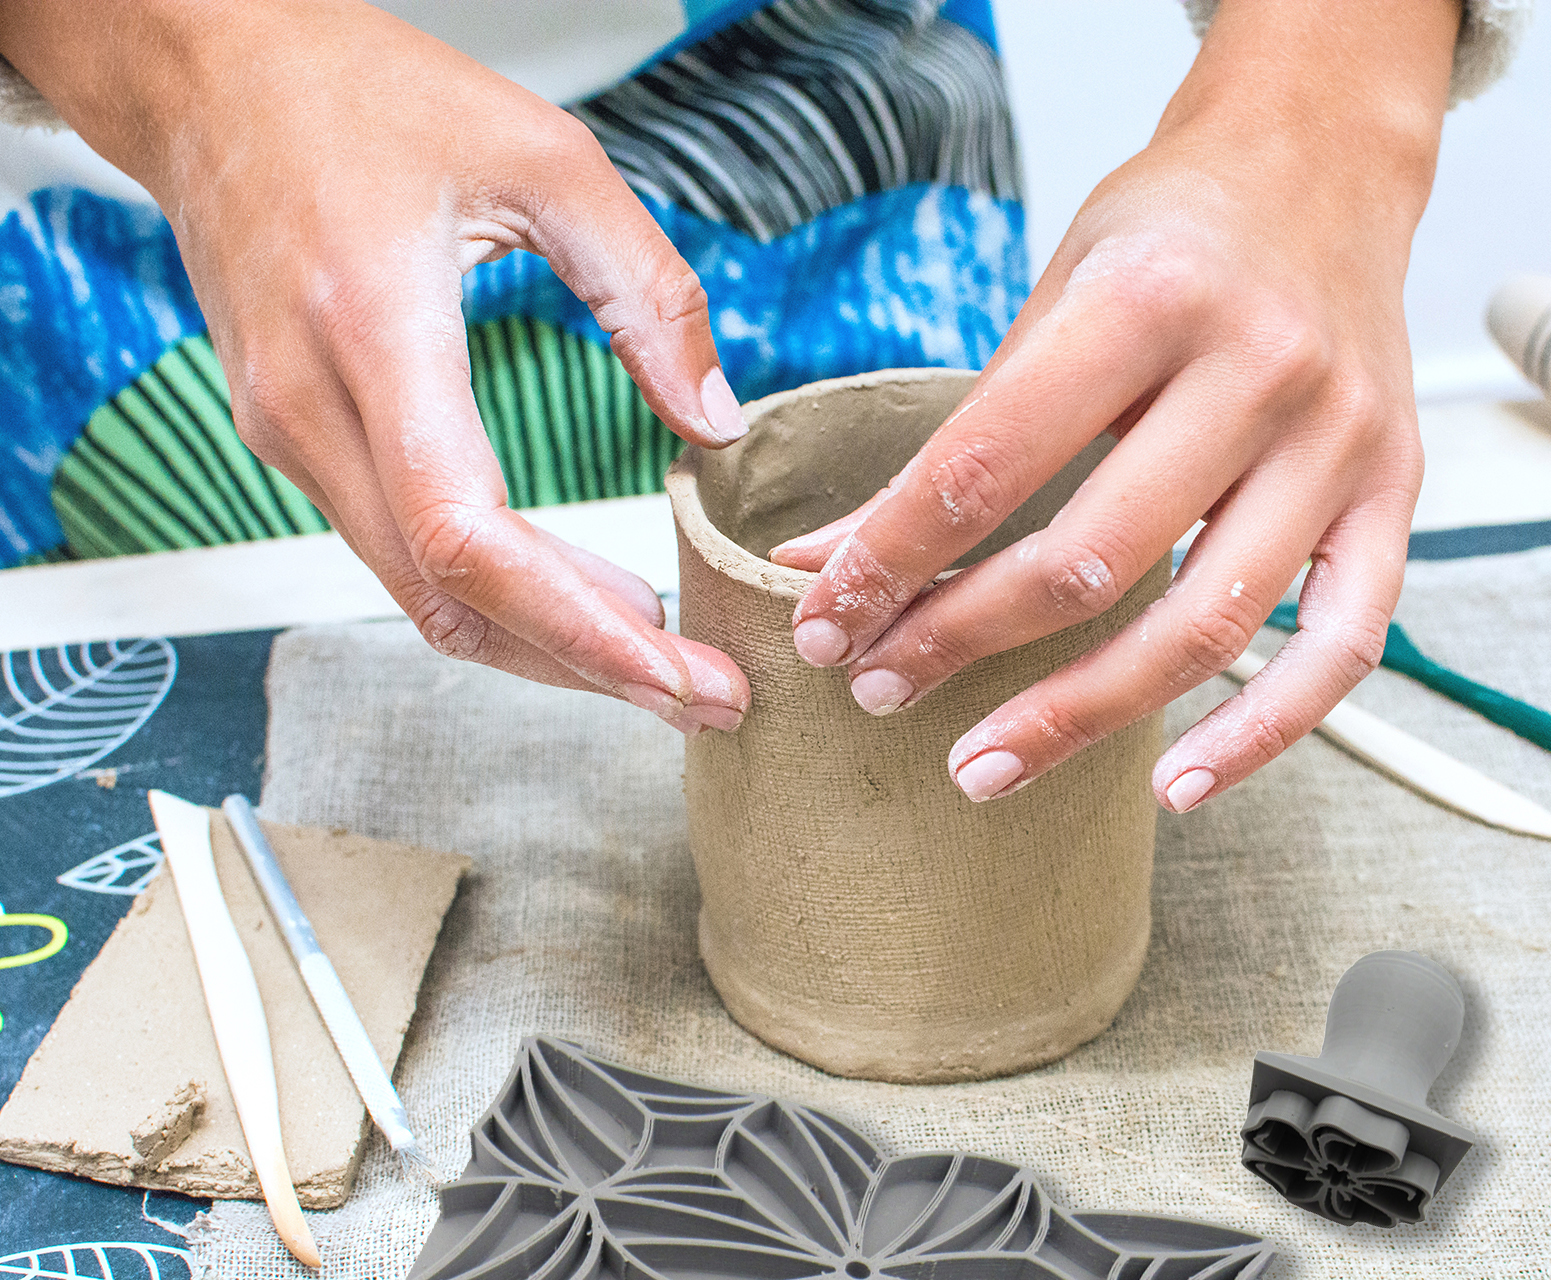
column 64, row 709
column 584, row 1169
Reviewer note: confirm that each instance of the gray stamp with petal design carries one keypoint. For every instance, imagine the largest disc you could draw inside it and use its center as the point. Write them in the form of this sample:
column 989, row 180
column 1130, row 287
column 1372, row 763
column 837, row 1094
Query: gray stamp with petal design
column 587, row 1170
column 1348, row 1135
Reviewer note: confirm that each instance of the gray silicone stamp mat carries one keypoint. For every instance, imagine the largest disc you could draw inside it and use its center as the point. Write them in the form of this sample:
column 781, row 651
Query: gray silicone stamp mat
column 587, row 1170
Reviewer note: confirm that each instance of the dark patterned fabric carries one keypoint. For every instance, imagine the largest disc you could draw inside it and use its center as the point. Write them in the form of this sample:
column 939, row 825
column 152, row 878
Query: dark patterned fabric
column 807, row 105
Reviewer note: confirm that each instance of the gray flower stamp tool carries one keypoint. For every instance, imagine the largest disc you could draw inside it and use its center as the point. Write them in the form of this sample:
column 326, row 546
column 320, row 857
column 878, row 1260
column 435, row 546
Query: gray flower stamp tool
column 1348, row 1135
column 587, row 1169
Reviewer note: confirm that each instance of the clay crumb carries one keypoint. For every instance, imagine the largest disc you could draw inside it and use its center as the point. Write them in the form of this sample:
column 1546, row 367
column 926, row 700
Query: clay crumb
column 169, row 1125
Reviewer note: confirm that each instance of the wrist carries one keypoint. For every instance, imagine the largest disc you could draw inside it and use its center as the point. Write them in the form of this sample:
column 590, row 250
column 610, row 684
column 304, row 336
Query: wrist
column 1347, row 96
column 120, row 74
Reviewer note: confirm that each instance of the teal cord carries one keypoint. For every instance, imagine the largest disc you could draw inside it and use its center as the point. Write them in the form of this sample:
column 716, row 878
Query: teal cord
column 1402, row 655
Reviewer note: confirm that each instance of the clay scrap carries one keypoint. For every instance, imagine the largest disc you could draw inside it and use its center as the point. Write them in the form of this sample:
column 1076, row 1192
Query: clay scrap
column 169, row 1124
column 127, row 1086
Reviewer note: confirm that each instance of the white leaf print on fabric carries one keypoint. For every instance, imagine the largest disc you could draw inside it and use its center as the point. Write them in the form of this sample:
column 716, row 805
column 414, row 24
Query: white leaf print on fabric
column 126, row 868
column 132, row 1262
column 64, row 709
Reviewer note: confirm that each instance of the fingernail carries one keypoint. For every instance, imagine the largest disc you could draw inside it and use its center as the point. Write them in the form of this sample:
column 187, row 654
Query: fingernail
column 658, row 701
column 800, row 543
column 709, row 716
column 987, row 775
column 1186, row 791
column 778, row 554
column 722, row 412
column 881, row 691
column 820, row 642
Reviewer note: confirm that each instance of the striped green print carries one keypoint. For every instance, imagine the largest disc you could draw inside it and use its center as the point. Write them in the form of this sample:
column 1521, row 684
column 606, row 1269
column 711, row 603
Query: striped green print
column 563, row 416
column 160, row 466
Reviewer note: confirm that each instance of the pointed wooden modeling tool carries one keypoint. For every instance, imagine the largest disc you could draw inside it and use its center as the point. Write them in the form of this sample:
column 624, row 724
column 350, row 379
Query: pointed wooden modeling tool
column 1420, row 766
column 371, row 1078
column 236, row 1011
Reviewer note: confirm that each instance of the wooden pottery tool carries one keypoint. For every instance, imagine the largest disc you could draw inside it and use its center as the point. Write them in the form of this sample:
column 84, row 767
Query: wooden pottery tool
column 328, row 993
column 236, row 1012
column 1420, row 766
column 1519, row 317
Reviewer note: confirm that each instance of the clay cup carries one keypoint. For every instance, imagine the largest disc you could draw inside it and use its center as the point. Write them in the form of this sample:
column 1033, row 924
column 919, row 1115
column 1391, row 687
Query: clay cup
column 857, row 910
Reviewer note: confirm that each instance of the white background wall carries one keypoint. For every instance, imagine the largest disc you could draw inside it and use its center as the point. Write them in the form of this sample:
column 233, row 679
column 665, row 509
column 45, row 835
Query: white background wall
column 1090, row 78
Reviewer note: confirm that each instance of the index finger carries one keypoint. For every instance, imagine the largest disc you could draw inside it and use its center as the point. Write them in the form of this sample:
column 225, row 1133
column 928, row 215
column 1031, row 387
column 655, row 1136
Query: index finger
column 1109, row 340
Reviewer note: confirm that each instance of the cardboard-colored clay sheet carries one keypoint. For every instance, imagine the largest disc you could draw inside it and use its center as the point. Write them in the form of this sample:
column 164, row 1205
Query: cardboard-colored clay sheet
column 127, row 1086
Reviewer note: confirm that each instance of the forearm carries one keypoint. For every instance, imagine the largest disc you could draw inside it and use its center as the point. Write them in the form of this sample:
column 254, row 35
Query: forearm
column 1488, row 37
column 138, row 78
column 1341, row 103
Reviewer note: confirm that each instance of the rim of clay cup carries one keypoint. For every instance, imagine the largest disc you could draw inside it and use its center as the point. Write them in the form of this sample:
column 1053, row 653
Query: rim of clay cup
column 720, row 551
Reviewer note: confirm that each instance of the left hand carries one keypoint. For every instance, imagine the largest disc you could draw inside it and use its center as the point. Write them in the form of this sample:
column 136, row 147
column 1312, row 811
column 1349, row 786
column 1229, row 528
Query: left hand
column 1227, row 303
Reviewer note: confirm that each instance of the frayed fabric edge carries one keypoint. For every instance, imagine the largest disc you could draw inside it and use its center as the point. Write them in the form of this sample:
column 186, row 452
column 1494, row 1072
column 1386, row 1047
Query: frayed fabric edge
column 202, row 1234
column 202, row 1230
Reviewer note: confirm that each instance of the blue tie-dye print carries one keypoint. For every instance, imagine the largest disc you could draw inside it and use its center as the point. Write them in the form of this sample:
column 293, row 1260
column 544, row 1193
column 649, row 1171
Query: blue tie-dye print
column 91, row 292
column 922, row 275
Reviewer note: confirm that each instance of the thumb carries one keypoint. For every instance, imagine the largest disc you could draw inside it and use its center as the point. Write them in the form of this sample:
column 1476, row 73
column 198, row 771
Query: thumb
column 600, row 240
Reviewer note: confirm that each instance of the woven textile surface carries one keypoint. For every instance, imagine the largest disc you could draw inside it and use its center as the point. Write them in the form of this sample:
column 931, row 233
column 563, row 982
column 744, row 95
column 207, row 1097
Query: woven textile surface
column 579, row 921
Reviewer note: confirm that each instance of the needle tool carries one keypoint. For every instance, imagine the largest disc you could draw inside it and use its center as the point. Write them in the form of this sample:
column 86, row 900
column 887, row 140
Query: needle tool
column 328, row 993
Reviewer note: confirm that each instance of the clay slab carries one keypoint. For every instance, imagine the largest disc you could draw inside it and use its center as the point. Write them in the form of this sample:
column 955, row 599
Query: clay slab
column 127, row 1086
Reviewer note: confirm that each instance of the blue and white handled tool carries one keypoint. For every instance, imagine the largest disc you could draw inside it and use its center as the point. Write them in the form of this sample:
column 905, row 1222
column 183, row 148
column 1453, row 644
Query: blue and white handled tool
column 328, row 993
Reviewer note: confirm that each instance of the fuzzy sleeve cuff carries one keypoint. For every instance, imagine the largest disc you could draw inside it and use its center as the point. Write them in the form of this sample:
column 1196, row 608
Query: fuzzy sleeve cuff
column 1489, row 33
column 21, row 104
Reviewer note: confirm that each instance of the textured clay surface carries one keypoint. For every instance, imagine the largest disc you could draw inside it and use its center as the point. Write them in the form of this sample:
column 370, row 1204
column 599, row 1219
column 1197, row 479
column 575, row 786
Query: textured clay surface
column 859, row 912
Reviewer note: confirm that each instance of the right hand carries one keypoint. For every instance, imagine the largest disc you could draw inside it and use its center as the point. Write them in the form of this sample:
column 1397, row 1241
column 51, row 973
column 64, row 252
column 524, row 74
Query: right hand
column 331, row 173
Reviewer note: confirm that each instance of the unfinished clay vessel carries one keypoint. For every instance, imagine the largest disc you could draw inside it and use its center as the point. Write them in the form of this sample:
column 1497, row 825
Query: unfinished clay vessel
column 858, row 911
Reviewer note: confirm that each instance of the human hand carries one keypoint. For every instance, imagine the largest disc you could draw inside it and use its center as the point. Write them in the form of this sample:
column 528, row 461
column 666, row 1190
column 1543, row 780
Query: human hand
column 331, row 173
column 1228, row 304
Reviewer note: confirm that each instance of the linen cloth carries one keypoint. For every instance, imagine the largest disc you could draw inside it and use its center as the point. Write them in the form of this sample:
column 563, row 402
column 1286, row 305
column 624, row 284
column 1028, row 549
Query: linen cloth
column 579, row 921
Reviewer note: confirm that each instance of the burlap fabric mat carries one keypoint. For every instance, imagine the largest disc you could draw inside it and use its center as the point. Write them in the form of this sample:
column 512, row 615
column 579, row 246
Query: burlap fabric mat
column 579, row 921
